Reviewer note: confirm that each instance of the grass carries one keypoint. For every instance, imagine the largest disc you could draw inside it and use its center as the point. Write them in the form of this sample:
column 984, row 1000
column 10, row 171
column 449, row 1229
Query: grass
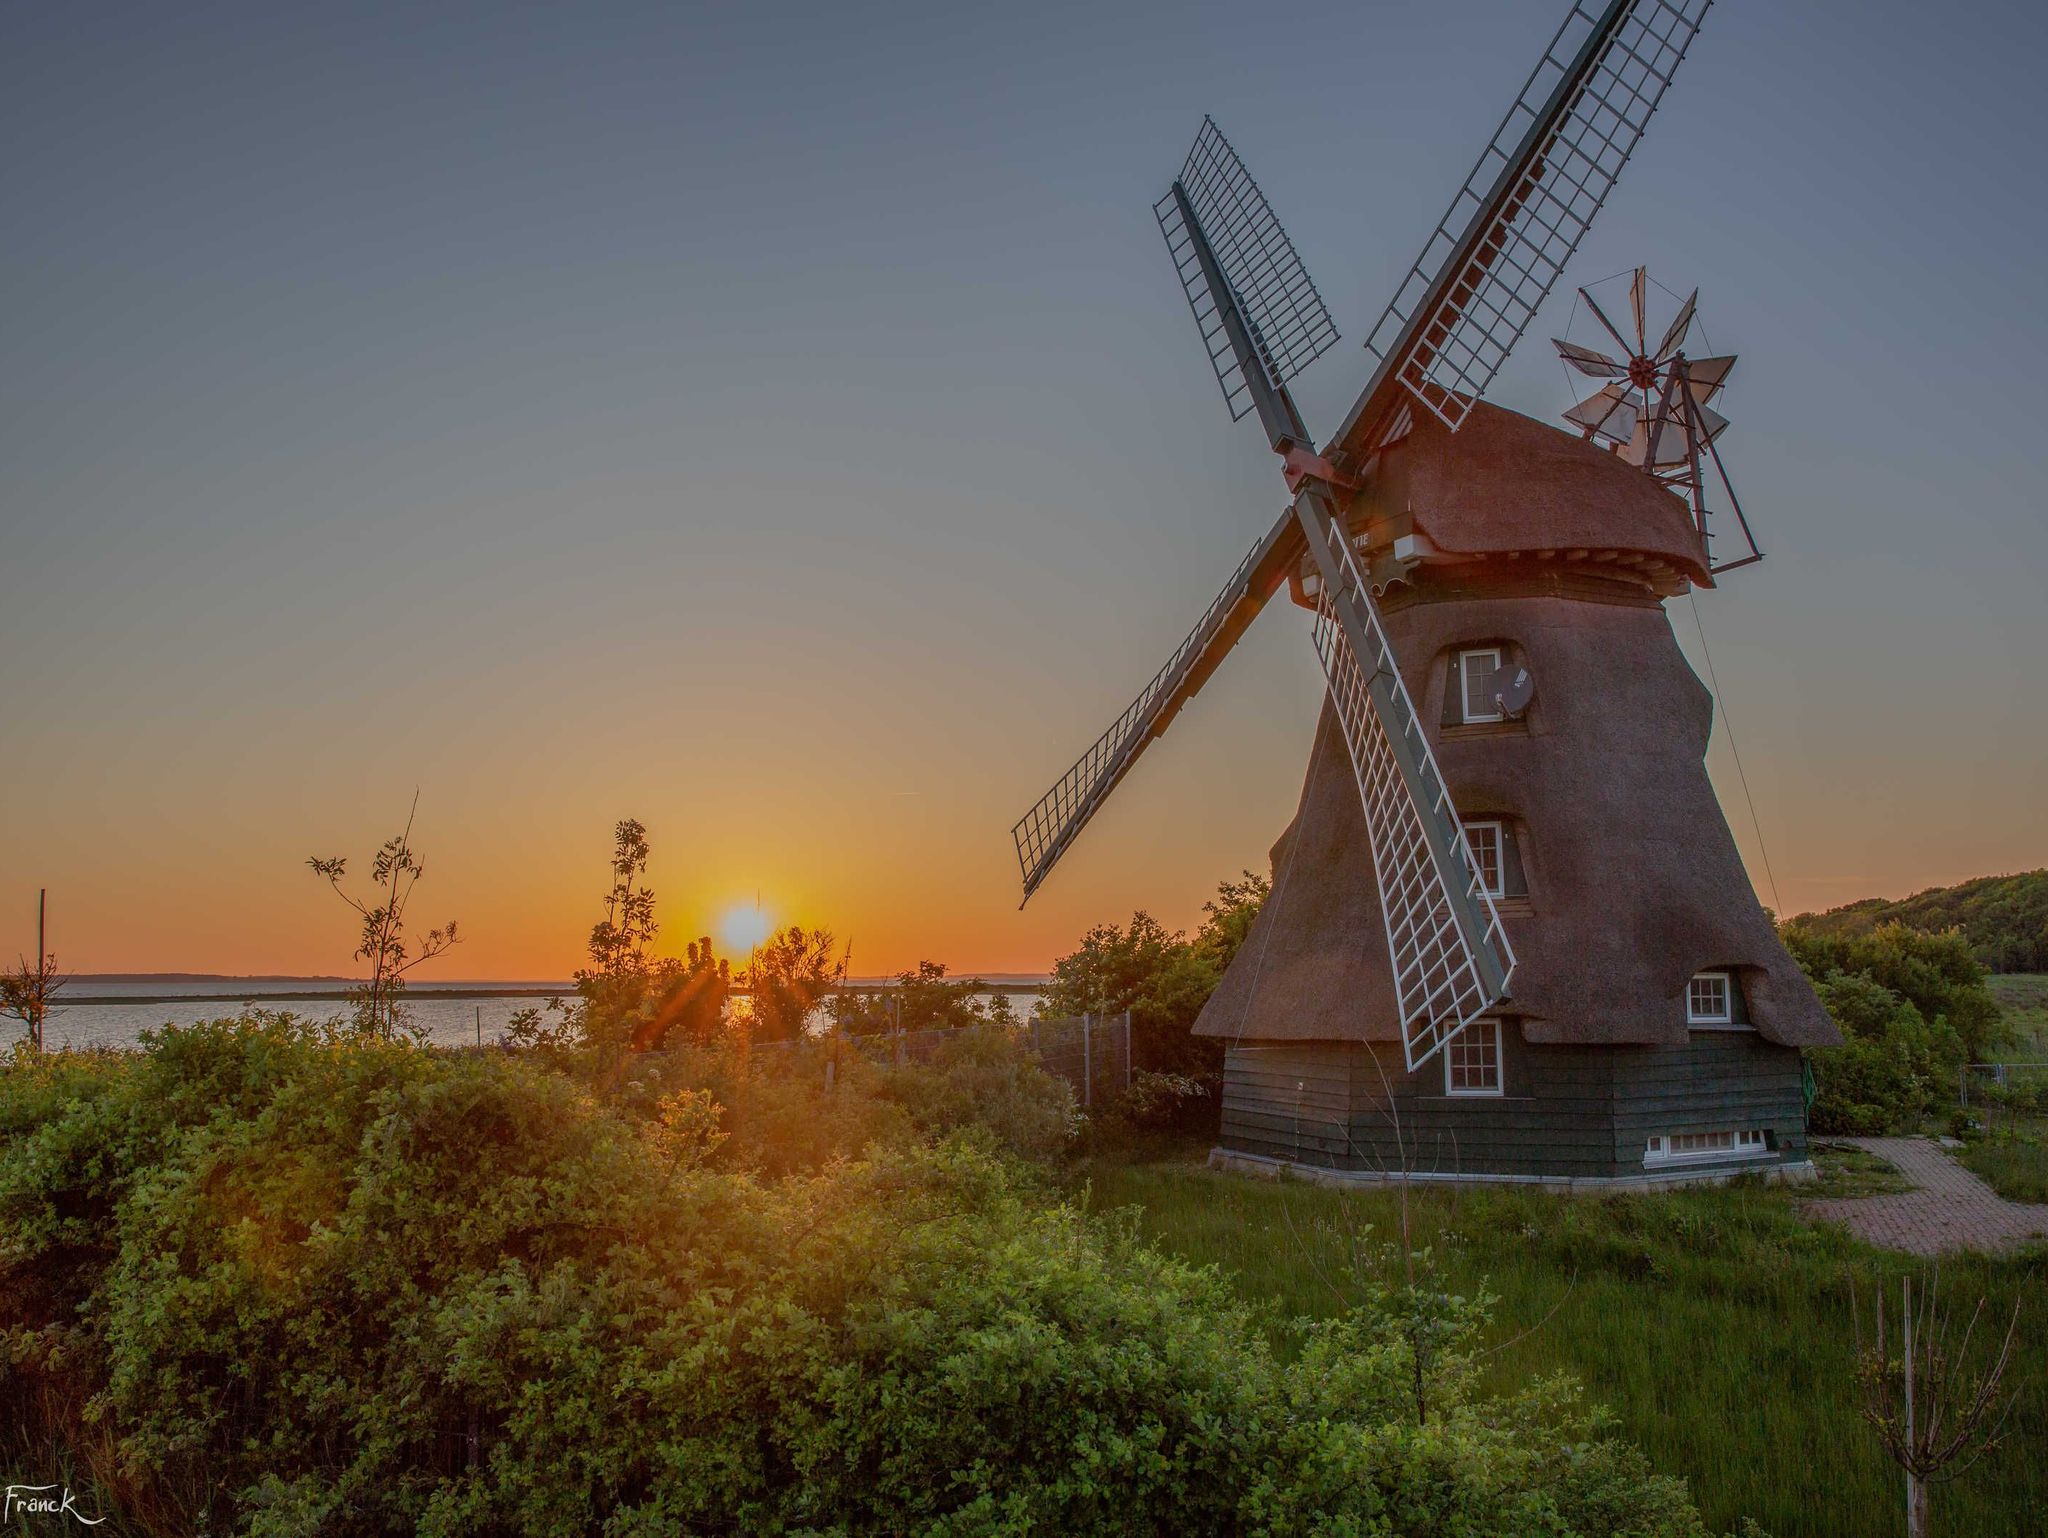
column 2024, row 998
column 1716, row 1322
column 2012, row 1154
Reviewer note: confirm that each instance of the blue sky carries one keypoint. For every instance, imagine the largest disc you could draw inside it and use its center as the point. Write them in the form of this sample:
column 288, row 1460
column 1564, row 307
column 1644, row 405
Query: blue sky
column 780, row 423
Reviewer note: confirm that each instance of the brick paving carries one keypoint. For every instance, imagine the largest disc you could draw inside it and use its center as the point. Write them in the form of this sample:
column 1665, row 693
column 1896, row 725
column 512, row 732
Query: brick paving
column 1950, row 1210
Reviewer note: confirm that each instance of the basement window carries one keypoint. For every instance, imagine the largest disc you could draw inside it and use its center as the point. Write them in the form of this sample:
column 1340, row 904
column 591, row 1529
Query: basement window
column 1695, row 1147
column 1710, row 999
column 1474, row 673
column 1472, row 1060
column 1488, row 843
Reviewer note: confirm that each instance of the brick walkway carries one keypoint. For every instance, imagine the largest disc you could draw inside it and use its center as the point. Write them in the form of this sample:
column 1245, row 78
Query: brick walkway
column 1951, row 1209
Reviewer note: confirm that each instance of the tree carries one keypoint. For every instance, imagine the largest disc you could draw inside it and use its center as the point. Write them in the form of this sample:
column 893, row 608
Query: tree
column 25, row 993
column 1936, row 1411
column 383, row 943
column 630, row 998
column 689, row 999
column 924, row 999
column 1161, row 976
column 619, row 940
column 1935, row 973
column 790, row 973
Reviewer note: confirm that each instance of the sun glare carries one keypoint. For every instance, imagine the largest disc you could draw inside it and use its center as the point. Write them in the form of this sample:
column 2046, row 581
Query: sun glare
column 743, row 926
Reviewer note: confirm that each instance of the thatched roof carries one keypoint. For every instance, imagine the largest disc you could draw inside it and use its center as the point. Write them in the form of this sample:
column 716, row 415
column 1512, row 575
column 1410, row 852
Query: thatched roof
column 1567, row 494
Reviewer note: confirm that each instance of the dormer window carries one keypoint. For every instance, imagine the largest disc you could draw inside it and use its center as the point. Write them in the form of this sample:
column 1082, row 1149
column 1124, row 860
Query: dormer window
column 1473, row 671
column 1710, row 999
column 1488, row 844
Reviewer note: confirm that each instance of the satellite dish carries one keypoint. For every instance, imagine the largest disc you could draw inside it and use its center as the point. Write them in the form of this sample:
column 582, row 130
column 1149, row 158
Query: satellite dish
column 1513, row 690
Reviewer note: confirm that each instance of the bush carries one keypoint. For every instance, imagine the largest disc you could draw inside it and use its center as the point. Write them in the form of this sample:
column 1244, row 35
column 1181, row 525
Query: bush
column 982, row 1079
column 1893, row 1069
column 306, row 1286
column 1935, row 973
column 1162, row 977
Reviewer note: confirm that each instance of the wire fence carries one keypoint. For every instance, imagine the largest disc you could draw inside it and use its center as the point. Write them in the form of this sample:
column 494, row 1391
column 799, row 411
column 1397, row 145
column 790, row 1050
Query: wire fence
column 2011, row 1089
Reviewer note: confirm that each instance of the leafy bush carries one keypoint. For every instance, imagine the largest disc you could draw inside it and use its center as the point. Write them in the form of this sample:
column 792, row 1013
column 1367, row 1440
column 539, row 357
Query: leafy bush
column 302, row 1285
column 1913, row 1009
column 1892, row 1069
column 1162, row 977
column 982, row 1079
column 1935, row 973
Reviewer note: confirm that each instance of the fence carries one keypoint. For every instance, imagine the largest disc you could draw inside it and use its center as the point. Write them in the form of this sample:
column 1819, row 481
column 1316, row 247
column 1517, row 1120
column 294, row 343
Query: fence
column 2009, row 1087
column 1091, row 1052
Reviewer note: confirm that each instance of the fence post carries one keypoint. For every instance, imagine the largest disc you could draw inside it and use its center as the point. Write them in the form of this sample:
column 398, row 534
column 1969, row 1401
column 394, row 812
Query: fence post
column 1087, row 1063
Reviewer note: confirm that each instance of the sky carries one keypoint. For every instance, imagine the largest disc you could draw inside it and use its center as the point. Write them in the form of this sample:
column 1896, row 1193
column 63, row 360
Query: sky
column 779, row 423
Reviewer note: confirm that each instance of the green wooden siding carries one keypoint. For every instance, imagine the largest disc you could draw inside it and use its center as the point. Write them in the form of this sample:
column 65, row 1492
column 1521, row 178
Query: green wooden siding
column 1579, row 1111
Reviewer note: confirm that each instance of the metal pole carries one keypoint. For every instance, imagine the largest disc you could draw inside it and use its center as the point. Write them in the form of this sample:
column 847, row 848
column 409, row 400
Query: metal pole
column 1087, row 1063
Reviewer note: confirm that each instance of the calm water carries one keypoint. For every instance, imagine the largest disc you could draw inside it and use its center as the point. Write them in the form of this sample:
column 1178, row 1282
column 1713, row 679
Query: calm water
column 449, row 1022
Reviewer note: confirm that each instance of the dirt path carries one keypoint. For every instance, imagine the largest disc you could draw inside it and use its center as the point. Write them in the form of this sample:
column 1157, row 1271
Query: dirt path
column 1949, row 1209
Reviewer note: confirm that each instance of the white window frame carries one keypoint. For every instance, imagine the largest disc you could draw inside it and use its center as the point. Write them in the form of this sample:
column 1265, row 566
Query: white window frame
column 1499, row 1086
column 1726, row 1018
column 1749, row 1143
column 1498, row 887
column 1466, row 715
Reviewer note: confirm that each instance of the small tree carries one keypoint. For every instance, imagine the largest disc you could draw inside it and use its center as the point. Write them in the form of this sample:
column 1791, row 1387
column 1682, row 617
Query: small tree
column 25, row 993
column 925, row 999
column 1161, row 976
column 690, row 999
column 619, row 940
column 1935, row 1411
column 383, row 942
column 790, row 973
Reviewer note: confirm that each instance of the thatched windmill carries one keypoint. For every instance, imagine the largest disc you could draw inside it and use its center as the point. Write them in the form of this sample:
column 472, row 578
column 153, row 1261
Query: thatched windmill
column 1509, row 933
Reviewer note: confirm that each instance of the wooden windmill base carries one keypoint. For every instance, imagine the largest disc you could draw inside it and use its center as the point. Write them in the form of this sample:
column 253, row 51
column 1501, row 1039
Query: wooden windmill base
column 1315, row 1078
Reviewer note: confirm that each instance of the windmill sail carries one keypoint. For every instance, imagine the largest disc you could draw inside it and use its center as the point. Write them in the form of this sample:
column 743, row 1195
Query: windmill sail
column 1451, row 958
column 1049, row 829
column 1501, row 245
column 1287, row 322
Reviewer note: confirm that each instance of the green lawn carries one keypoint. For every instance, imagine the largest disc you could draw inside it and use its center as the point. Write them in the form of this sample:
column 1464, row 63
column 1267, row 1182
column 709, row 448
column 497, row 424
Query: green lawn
column 1716, row 1322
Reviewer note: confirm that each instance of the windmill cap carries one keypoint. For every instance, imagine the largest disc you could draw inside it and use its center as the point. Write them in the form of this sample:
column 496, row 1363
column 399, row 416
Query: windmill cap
column 1509, row 484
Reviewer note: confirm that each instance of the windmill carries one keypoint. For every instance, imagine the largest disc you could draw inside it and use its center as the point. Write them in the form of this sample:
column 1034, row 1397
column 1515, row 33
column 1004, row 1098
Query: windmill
column 1654, row 410
column 1488, row 264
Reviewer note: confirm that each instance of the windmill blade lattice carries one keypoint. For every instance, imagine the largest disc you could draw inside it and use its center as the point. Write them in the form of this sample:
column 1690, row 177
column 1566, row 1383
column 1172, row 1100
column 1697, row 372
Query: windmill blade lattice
column 1290, row 324
column 1045, row 832
column 1478, row 283
column 1441, row 982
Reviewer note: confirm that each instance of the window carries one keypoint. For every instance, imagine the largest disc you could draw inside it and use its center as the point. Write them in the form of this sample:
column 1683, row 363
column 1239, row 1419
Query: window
column 1488, row 843
column 1684, row 1147
column 1709, row 999
column 1474, row 674
column 1472, row 1060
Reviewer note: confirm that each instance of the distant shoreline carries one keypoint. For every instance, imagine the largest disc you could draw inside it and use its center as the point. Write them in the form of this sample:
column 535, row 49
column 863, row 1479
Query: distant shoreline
column 454, row 991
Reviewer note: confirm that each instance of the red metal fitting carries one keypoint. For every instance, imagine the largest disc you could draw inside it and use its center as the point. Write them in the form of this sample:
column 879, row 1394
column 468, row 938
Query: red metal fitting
column 1299, row 465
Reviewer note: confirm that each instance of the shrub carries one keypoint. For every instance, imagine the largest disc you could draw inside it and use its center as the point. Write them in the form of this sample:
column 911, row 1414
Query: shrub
column 1892, row 1069
column 982, row 1079
column 356, row 1287
column 1162, row 977
column 1935, row 973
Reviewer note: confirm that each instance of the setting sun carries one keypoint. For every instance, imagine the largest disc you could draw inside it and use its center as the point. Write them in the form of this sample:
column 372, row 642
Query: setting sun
column 743, row 926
